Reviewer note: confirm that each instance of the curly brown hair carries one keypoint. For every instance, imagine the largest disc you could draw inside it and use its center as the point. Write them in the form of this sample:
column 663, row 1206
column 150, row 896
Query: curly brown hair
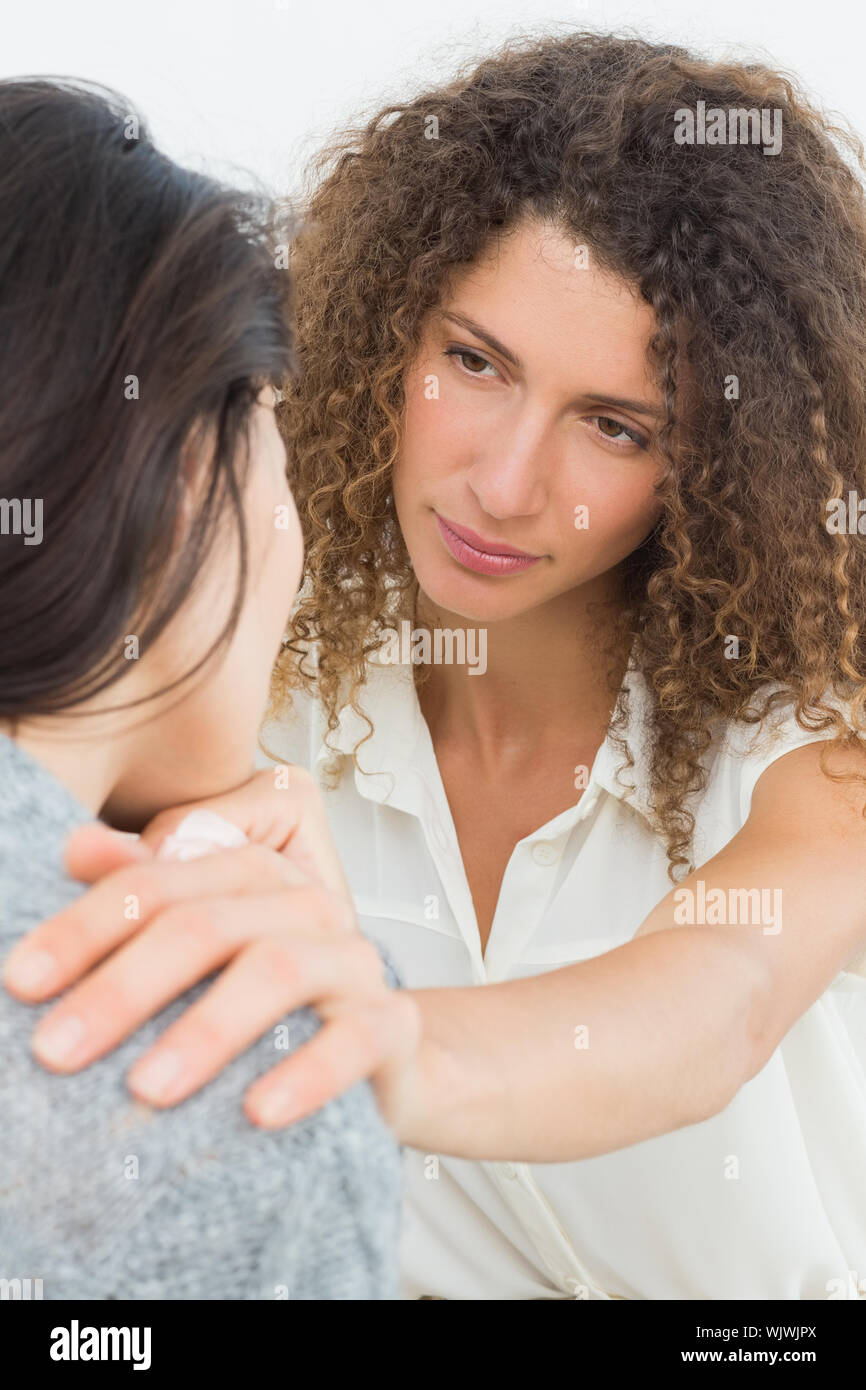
column 753, row 264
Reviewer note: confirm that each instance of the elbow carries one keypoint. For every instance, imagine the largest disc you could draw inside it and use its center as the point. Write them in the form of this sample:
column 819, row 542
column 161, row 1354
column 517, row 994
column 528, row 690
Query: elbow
column 744, row 1041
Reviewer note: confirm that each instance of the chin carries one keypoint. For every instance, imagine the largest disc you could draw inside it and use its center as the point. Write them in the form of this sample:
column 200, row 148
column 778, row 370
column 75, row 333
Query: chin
column 465, row 596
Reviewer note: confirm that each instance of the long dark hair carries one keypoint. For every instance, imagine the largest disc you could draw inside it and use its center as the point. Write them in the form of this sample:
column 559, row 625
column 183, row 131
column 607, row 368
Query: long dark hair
column 140, row 303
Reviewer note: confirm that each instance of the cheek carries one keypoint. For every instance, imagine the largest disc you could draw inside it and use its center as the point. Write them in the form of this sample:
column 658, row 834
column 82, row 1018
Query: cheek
column 276, row 543
column 291, row 560
column 282, row 568
column 408, row 469
column 616, row 516
column 438, row 434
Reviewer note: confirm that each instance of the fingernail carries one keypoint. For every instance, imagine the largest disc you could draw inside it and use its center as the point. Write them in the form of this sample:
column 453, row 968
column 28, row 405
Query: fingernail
column 57, row 1040
column 275, row 1108
column 28, row 969
column 153, row 1078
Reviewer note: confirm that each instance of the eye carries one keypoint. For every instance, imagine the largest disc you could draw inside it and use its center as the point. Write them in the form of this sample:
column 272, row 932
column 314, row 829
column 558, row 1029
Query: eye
column 471, row 362
column 602, row 422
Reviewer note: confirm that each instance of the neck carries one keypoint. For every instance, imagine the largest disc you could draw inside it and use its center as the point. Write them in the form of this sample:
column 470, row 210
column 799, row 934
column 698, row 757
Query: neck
column 84, row 754
column 547, row 674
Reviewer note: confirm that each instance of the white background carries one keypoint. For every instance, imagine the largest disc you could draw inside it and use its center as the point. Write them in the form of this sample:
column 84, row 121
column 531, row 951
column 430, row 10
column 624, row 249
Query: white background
column 247, row 89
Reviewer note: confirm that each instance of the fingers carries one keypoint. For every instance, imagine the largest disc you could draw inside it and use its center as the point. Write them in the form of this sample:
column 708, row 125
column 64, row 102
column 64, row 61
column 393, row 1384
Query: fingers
column 75, row 939
column 92, row 851
column 181, row 946
column 253, row 807
column 267, row 814
column 352, row 1046
column 266, row 981
column 280, row 808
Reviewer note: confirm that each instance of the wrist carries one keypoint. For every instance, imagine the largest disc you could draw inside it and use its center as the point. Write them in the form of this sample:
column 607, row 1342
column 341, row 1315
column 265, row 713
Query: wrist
column 454, row 1100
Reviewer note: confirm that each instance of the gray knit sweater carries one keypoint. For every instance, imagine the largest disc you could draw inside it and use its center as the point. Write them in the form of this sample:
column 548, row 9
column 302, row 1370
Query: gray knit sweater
column 102, row 1197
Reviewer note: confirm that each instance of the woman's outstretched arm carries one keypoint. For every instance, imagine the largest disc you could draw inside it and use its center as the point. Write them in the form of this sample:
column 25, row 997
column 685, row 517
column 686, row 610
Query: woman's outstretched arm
column 656, row 1034
column 662, row 1031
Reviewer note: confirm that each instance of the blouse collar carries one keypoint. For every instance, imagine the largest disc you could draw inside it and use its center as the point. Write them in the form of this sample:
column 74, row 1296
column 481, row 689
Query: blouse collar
column 396, row 756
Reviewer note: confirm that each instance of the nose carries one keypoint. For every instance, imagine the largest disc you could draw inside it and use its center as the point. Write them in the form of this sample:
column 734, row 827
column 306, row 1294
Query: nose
column 511, row 476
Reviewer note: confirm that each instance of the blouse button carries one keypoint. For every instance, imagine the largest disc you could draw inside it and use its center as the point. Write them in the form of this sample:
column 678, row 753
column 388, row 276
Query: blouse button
column 508, row 1170
column 544, row 853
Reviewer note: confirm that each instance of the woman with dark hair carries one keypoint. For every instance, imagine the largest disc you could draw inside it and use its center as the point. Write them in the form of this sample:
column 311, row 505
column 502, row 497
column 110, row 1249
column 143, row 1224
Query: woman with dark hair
column 583, row 376
column 149, row 556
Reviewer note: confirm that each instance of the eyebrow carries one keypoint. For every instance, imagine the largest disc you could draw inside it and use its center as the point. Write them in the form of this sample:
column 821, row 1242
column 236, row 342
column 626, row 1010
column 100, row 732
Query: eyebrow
column 619, row 402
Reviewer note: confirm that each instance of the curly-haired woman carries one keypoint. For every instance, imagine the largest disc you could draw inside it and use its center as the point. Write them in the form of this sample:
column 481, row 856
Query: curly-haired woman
column 580, row 386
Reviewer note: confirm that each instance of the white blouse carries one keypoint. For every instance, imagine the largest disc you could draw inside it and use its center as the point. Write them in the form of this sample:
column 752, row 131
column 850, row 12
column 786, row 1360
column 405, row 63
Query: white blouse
column 765, row 1200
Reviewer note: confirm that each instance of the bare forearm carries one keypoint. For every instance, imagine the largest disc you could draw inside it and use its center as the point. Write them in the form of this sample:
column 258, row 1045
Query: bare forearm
column 588, row 1058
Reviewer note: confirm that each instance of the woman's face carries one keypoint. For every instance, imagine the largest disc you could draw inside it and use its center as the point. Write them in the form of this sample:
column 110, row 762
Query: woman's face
column 524, row 471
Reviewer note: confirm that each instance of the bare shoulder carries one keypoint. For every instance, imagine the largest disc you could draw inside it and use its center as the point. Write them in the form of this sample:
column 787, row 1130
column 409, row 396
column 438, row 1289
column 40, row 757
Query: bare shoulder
column 817, row 790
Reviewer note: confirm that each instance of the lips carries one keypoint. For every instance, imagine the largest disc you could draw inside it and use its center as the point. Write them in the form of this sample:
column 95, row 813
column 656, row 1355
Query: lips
column 480, row 555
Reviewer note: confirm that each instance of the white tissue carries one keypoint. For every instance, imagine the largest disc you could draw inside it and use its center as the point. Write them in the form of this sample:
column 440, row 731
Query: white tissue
column 200, row 833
